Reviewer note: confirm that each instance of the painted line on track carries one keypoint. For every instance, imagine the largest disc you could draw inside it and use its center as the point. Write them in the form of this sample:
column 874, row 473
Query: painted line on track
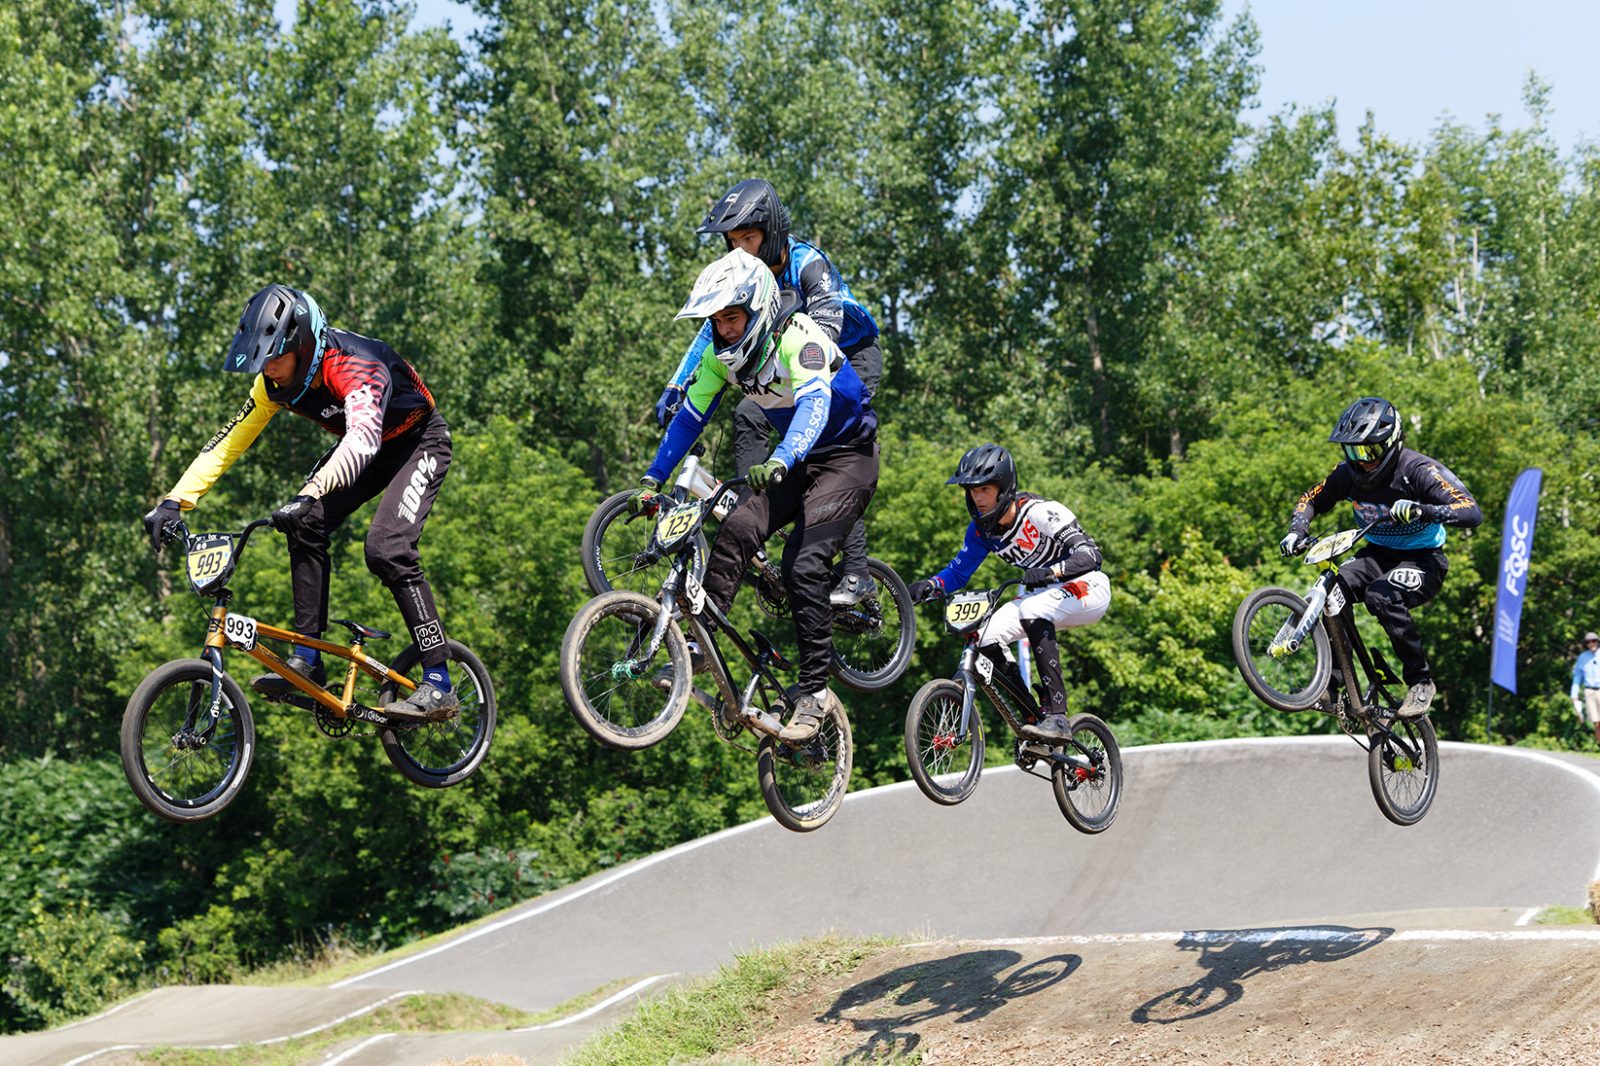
column 857, row 798
column 1305, row 935
column 609, row 1001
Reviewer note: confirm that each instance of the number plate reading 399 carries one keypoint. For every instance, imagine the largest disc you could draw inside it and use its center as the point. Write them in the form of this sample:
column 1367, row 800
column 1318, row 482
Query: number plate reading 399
column 240, row 631
column 963, row 612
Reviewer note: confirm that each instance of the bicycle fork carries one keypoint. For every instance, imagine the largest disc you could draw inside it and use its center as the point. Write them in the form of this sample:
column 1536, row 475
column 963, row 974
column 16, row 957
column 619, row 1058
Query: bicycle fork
column 187, row 737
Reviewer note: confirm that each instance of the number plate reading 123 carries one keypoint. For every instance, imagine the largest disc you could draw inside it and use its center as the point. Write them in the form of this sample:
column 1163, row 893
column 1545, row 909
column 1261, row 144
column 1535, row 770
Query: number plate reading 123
column 964, row 612
column 671, row 526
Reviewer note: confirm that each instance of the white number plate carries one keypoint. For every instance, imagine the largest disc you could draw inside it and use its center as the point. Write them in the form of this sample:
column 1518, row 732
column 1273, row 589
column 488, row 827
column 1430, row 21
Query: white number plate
column 240, row 631
column 963, row 612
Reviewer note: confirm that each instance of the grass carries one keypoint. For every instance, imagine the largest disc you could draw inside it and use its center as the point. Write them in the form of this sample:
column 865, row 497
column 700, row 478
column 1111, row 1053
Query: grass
column 1564, row 916
column 414, row 1014
column 725, row 1010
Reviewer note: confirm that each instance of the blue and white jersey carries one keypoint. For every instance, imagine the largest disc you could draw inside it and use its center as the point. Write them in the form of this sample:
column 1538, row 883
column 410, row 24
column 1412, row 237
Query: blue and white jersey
column 825, row 297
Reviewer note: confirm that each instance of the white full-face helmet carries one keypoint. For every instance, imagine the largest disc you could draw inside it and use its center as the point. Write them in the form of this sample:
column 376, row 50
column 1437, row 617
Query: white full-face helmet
column 740, row 280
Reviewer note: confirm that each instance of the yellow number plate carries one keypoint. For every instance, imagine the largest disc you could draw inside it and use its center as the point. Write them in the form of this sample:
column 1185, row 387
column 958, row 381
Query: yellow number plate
column 207, row 559
column 676, row 522
column 965, row 611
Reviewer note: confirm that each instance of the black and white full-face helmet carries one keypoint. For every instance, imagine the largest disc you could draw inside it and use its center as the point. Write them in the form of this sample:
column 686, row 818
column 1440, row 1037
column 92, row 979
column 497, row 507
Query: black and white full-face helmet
column 278, row 319
column 987, row 464
column 740, row 280
column 1369, row 431
column 752, row 204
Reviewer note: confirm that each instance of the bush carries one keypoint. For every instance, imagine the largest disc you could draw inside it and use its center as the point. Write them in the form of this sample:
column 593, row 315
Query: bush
column 69, row 963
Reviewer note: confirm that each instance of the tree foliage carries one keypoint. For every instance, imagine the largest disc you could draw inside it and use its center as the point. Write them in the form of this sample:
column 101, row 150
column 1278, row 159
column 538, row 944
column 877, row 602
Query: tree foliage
column 1071, row 236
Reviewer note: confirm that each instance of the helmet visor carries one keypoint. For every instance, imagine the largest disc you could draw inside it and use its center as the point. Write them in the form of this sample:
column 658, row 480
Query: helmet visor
column 1364, row 453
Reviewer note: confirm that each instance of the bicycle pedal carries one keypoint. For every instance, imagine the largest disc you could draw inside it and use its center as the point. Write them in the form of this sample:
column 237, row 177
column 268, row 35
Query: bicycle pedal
column 762, row 722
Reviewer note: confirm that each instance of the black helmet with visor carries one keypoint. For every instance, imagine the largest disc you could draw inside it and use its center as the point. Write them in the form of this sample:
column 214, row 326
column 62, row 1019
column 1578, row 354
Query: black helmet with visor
column 752, row 204
column 987, row 464
column 1370, row 431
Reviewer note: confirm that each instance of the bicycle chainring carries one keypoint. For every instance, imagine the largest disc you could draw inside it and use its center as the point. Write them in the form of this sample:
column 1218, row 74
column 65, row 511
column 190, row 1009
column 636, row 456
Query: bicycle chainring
column 337, row 728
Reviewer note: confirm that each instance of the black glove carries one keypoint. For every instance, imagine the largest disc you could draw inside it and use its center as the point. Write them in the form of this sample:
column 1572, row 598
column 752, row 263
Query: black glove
column 1034, row 576
column 287, row 518
column 161, row 523
column 924, row 590
column 667, row 406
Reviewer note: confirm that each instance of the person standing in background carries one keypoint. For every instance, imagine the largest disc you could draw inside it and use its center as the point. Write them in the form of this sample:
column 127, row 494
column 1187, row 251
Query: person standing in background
column 1586, row 683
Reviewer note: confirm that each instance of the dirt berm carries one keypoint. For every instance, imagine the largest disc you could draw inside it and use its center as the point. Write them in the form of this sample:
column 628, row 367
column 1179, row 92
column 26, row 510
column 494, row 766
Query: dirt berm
column 1263, row 996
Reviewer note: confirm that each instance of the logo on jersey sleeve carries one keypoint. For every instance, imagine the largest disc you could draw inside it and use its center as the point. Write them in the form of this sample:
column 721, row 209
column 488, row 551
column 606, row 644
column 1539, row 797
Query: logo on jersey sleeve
column 812, row 357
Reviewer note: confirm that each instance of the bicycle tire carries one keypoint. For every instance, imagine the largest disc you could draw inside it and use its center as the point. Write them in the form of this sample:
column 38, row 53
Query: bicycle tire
column 604, row 541
column 788, row 773
column 1392, row 781
column 589, row 698
column 873, row 675
column 1253, row 623
column 441, row 754
column 231, row 749
column 1089, row 798
column 936, row 760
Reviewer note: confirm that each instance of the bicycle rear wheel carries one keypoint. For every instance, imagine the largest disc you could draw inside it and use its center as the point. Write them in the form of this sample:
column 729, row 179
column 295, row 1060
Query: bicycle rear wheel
column 612, row 541
column 1088, row 796
column 1404, row 770
column 873, row 640
column 1292, row 681
column 945, row 765
column 181, row 764
column 441, row 754
column 804, row 784
column 610, row 689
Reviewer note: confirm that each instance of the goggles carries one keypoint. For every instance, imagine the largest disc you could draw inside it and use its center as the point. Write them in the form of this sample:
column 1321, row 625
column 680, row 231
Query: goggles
column 1364, row 453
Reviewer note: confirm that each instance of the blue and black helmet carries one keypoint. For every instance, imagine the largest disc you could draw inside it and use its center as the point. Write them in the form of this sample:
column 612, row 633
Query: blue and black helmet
column 276, row 320
column 985, row 465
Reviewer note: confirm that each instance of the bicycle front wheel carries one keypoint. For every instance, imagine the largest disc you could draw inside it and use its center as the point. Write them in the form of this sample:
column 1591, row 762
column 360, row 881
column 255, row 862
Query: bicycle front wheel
column 873, row 640
column 804, row 784
column 183, row 764
column 1088, row 795
column 623, row 698
column 612, row 541
column 444, row 753
column 1404, row 770
column 944, row 764
column 1288, row 681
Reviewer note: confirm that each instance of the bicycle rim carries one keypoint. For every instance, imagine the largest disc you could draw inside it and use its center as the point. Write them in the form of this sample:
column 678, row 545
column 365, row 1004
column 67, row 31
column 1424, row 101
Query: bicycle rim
column 440, row 754
column 1405, row 776
column 945, row 765
column 610, row 683
column 805, row 784
column 1088, row 796
column 872, row 641
column 1291, row 681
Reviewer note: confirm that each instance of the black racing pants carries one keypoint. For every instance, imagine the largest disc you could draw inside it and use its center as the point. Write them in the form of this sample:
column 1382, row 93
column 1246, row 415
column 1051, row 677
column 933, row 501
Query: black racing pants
column 407, row 471
column 751, row 444
column 1390, row 583
column 823, row 496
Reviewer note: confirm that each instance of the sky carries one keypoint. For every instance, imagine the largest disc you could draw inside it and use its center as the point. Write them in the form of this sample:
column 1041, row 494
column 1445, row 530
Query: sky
column 1410, row 62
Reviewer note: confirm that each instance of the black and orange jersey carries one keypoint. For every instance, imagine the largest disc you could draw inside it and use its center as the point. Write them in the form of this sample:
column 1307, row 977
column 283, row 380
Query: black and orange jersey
column 364, row 393
column 1445, row 501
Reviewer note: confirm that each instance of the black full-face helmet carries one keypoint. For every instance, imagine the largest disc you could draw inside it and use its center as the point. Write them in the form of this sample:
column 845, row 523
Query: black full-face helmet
column 983, row 465
column 752, row 204
column 279, row 319
column 1368, row 430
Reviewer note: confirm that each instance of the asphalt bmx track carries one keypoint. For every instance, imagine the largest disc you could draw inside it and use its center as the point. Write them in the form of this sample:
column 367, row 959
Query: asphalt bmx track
column 1233, row 836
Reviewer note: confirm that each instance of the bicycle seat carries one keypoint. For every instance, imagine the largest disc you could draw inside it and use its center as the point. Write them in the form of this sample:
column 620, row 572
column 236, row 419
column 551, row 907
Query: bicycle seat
column 359, row 630
column 764, row 646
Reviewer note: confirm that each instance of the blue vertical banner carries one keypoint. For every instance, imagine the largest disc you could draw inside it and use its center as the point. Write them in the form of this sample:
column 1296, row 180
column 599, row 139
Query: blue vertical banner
column 1516, row 545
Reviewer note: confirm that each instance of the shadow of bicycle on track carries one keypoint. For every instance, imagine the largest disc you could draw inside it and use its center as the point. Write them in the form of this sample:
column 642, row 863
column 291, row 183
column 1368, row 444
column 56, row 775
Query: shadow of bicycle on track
column 964, row 987
column 1231, row 956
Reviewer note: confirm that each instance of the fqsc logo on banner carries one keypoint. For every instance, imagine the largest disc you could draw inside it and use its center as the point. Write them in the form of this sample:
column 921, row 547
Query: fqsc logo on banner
column 1515, row 565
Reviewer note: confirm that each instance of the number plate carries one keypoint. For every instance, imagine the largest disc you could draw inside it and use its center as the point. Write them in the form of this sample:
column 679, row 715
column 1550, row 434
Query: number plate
column 695, row 592
column 208, row 559
column 671, row 527
column 240, row 631
column 964, row 612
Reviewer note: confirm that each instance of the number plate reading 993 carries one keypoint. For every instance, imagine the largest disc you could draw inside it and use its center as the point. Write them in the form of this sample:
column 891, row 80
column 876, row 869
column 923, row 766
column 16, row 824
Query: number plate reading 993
column 964, row 612
column 240, row 631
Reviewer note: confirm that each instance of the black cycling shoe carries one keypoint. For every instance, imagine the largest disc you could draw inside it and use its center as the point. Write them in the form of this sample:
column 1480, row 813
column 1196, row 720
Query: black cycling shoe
column 1052, row 728
column 851, row 590
column 273, row 686
column 429, row 703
